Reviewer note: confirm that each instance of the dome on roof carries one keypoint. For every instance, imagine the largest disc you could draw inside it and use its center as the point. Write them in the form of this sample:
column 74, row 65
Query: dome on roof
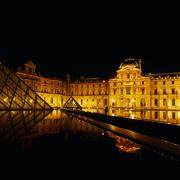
column 30, row 63
column 129, row 64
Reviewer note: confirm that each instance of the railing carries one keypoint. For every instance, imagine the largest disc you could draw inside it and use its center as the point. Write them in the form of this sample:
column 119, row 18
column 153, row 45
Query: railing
column 162, row 137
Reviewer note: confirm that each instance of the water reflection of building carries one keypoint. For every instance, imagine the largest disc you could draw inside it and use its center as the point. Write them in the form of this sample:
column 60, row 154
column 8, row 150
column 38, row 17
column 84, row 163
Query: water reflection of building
column 172, row 117
column 57, row 122
column 125, row 145
column 129, row 89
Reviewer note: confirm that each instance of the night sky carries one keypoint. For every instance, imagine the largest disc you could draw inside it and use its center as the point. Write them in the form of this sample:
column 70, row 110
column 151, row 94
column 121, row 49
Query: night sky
column 91, row 41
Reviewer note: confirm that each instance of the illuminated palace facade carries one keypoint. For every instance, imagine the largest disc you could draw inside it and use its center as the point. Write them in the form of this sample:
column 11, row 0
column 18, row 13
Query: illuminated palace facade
column 129, row 89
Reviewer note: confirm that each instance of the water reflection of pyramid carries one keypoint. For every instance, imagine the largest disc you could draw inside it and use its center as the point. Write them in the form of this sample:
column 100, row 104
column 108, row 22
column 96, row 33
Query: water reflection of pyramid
column 14, row 124
column 16, row 95
column 71, row 103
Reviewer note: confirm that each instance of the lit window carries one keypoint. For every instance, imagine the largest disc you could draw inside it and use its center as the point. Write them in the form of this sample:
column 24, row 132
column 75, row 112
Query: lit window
column 156, row 114
column 164, row 91
column 128, row 90
column 173, row 102
column 51, row 100
column 155, row 102
column 173, row 115
column 173, row 91
column 155, row 91
column 164, row 102
column 105, row 102
column 164, row 115
column 121, row 91
column 134, row 91
column 143, row 90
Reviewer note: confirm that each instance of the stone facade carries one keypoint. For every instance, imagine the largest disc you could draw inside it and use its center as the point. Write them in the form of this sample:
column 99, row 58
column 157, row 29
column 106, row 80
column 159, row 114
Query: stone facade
column 130, row 89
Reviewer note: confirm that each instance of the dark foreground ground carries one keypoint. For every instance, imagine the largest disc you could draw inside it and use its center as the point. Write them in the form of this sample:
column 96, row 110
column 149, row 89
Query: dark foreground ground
column 76, row 152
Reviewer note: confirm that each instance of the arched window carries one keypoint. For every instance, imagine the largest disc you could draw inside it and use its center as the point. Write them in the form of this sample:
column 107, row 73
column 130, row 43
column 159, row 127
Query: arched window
column 51, row 100
column 173, row 102
column 143, row 102
column 155, row 102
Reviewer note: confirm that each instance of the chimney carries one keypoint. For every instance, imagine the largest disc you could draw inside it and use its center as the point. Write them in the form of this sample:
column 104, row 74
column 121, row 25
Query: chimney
column 68, row 77
column 139, row 63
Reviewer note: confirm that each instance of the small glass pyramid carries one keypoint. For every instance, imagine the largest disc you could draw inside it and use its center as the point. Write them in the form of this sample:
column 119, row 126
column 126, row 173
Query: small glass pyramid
column 71, row 103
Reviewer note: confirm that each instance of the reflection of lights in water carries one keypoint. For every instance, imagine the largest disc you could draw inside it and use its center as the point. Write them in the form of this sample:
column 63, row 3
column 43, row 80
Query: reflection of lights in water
column 124, row 145
column 163, row 115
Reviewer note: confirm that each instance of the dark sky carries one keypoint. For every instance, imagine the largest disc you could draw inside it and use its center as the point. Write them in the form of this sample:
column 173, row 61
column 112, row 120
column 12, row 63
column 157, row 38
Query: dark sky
column 91, row 41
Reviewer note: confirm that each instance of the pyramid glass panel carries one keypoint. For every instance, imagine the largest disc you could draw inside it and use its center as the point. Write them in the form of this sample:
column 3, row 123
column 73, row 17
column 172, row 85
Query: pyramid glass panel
column 16, row 95
column 22, row 86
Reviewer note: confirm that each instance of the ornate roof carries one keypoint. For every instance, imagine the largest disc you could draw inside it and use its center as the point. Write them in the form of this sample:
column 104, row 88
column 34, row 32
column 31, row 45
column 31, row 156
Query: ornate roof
column 129, row 64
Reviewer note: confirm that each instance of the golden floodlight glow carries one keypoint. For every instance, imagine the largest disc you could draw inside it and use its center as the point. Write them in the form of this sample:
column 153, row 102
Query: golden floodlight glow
column 130, row 88
column 5, row 99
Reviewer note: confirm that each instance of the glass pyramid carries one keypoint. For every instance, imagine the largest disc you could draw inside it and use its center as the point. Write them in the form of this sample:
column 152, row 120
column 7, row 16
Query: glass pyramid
column 71, row 103
column 16, row 95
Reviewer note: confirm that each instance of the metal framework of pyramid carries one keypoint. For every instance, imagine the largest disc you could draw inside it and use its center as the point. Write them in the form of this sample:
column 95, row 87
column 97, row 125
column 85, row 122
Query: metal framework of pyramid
column 71, row 103
column 16, row 95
